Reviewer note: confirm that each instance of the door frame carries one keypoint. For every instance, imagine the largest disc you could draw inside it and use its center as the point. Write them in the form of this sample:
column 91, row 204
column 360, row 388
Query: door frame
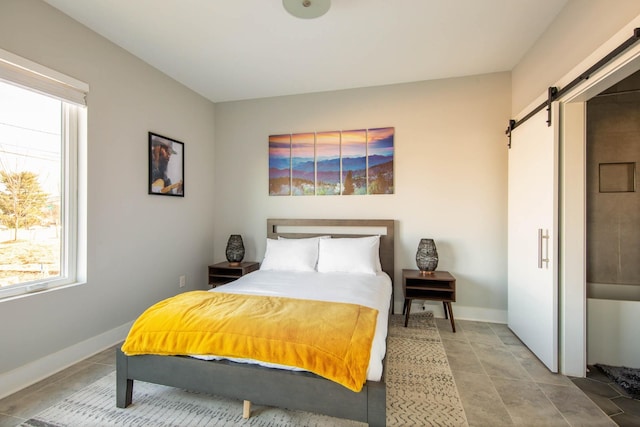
column 572, row 203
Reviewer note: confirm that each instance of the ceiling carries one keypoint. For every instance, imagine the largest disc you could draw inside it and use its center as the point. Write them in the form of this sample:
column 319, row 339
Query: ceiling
column 230, row 50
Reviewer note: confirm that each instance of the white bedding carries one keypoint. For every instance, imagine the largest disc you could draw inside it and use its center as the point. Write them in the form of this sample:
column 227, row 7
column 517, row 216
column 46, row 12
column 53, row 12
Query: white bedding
column 364, row 289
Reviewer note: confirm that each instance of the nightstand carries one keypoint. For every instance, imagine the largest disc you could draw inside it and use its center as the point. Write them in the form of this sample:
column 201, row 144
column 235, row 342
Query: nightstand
column 223, row 272
column 433, row 286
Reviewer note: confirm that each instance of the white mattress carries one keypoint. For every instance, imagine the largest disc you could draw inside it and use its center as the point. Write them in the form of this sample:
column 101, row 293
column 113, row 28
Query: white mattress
column 364, row 289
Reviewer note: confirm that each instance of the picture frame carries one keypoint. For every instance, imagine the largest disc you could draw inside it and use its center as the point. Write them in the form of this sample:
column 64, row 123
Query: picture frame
column 166, row 166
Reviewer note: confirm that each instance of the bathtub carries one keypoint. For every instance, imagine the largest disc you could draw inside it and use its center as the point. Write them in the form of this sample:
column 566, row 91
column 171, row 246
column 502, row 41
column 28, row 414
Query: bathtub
column 613, row 324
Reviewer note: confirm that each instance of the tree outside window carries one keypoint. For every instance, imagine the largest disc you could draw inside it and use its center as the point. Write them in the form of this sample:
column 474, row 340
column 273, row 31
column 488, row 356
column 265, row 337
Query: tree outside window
column 30, row 183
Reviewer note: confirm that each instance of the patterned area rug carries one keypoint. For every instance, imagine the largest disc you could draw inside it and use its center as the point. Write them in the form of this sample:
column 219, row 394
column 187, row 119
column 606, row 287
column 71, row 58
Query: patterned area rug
column 420, row 392
column 420, row 386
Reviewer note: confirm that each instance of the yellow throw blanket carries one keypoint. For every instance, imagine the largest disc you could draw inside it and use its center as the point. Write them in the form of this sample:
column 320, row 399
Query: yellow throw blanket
column 330, row 339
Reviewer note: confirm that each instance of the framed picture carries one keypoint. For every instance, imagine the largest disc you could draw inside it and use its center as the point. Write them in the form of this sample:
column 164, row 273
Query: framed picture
column 166, row 166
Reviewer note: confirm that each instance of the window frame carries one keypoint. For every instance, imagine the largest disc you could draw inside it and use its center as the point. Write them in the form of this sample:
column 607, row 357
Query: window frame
column 72, row 93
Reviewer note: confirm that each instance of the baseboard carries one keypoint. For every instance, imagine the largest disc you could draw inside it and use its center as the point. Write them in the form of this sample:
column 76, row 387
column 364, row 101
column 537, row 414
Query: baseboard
column 480, row 314
column 31, row 373
column 460, row 312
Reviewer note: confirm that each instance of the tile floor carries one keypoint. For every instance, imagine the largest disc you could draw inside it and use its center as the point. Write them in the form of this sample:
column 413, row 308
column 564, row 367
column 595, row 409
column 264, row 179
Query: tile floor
column 611, row 398
column 499, row 381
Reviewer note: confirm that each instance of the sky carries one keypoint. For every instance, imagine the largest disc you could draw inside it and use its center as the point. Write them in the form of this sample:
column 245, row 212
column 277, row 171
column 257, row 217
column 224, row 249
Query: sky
column 331, row 145
column 381, row 141
column 328, row 145
column 30, row 135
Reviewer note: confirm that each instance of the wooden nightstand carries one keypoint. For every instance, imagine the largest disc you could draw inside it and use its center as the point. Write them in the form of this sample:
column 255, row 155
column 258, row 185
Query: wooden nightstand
column 435, row 286
column 222, row 272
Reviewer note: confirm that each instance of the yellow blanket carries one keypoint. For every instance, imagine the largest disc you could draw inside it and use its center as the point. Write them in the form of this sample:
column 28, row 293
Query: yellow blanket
column 332, row 340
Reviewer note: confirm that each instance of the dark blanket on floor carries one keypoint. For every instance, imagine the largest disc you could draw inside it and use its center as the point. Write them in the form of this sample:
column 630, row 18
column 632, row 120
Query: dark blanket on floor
column 627, row 378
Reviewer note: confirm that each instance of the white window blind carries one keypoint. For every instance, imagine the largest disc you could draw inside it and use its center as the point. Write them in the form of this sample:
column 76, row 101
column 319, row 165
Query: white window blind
column 28, row 74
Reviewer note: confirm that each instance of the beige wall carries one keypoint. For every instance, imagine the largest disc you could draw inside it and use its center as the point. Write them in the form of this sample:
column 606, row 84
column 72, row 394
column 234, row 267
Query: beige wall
column 450, row 175
column 138, row 244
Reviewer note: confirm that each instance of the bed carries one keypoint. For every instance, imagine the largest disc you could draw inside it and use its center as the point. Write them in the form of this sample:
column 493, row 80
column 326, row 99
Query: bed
column 291, row 389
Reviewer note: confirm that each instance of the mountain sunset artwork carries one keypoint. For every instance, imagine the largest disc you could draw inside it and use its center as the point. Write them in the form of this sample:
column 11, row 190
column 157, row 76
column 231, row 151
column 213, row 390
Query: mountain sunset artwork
column 303, row 168
column 279, row 165
column 380, row 160
column 354, row 161
column 328, row 163
column 351, row 162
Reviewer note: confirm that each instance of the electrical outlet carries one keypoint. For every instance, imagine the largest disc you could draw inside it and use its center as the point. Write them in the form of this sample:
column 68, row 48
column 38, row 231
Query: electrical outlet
column 183, row 281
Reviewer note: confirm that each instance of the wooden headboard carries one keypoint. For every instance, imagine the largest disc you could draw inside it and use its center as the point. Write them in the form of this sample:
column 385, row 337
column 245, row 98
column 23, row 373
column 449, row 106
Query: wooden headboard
column 300, row 228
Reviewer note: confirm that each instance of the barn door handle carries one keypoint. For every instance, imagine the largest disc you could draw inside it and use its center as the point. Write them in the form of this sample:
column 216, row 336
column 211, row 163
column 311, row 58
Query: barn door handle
column 543, row 236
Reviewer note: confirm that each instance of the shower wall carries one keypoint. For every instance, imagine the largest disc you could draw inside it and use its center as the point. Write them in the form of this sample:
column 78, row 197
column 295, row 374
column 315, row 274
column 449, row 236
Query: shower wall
column 613, row 196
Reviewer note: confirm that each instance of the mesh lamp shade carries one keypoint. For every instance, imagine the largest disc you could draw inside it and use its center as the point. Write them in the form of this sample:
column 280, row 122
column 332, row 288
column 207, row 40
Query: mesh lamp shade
column 235, row 249
column 427, row 256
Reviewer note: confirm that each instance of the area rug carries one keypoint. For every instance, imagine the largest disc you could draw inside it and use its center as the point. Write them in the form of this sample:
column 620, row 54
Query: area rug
column 420, row 392
column 627, row 378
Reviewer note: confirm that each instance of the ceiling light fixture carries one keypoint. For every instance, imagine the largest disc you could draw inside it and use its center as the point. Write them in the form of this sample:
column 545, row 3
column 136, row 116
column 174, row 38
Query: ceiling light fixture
column 307, row 9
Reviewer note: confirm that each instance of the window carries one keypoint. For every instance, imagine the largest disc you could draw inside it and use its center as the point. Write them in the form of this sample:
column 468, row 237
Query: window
column 42, row 120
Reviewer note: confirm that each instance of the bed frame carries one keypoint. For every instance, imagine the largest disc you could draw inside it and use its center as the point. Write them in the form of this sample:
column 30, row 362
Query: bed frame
column 264, row 386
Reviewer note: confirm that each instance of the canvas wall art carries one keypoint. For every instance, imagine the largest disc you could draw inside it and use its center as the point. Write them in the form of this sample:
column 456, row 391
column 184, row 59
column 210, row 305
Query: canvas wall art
column 328, row 180
column 280, row 165
column 303, row 179
column 380, row 161
column 351, row 162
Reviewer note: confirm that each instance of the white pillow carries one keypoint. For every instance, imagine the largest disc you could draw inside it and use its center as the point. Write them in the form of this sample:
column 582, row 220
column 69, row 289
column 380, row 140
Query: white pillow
column 350, row 255
column 290, row 255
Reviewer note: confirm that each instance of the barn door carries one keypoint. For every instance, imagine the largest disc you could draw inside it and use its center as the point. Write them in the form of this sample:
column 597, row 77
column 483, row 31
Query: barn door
column 533, row 235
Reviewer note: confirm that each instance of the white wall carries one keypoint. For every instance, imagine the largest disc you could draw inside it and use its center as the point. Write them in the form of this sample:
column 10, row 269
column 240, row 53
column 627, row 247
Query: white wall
column 580, row 28
column 450, row 175
column 138, row 244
